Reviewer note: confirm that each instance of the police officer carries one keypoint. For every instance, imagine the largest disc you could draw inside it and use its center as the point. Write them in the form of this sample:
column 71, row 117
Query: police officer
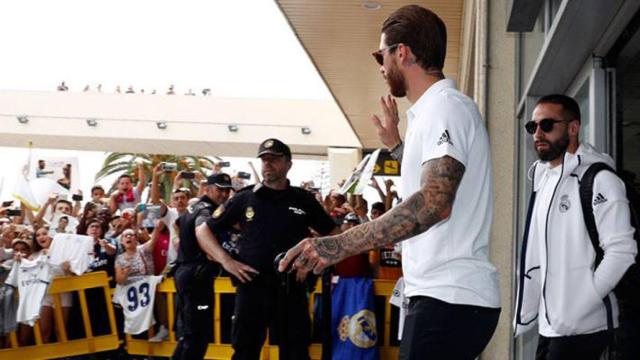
column 194, row 273
column 272, row 216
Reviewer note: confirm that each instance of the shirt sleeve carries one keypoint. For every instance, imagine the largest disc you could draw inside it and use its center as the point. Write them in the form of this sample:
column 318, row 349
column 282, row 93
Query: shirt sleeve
column 446, row 131
column 320, row 220
column 613, row 221
column 225, row 215
column 170, row 217
column 203, row 216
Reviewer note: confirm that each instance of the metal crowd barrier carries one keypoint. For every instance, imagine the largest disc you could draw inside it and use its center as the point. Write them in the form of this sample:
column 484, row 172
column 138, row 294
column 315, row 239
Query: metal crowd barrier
column 217, row 350
column 63, row 346
column 220, row 350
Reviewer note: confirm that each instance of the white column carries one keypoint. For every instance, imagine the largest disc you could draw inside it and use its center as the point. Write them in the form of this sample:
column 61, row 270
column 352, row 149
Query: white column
column 342, row 161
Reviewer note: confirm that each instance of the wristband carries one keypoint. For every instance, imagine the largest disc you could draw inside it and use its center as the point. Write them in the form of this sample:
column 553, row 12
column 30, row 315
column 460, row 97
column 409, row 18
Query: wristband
column 396, row 151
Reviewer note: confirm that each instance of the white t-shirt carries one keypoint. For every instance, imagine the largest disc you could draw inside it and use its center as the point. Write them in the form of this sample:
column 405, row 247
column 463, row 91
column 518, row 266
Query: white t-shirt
column 76, row 249
column 136, row 299
column 399, row 300
column 169, row 219
column 32, row 280
column 450, row 261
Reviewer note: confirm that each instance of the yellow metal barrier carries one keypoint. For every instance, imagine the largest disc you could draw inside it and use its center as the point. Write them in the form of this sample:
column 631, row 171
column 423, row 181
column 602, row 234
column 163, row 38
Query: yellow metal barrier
column 219, row 350
column 63, row 346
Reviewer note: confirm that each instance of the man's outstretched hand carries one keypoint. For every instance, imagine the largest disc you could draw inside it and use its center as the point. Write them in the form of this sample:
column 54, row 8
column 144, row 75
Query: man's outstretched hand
column 305, row 257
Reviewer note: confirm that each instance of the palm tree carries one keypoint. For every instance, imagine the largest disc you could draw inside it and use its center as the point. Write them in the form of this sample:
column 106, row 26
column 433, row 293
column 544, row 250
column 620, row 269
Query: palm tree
column 126, row 163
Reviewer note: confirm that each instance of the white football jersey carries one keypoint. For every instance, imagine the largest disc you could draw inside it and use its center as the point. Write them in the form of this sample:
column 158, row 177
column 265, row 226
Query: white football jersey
column 136, row 299
column 398, row 299
column 77, row 249
column 32, row 280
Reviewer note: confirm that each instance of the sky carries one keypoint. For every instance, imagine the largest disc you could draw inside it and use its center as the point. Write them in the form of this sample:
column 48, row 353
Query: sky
column 236, row 48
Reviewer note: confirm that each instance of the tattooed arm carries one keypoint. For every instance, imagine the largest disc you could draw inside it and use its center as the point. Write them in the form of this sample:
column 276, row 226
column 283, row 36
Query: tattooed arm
column 433, row 203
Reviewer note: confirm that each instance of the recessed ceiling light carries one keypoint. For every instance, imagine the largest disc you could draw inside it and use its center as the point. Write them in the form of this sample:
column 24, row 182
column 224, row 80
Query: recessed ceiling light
column 161, row 125
column 371, row 5
column 232, row 128
column 306, row 130
column 92, row 122
column 23, row 119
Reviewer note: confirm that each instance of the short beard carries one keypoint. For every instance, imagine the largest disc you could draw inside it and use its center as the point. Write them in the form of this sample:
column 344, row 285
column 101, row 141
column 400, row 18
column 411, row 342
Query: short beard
column 396, row 81
column 555, row 150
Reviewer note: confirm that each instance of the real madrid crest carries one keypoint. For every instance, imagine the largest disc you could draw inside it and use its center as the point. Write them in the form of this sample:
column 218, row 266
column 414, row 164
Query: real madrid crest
column 249, row 213
column 565, row 204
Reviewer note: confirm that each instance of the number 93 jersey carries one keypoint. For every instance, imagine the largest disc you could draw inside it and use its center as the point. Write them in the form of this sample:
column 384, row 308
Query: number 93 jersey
column 136, row 298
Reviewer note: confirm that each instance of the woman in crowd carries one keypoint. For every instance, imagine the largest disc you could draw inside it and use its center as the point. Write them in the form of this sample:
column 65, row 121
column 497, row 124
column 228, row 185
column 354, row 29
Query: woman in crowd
column 90, row 212
column 41, row 244
column 104, row 251
column 139, row 260
column 136, row 259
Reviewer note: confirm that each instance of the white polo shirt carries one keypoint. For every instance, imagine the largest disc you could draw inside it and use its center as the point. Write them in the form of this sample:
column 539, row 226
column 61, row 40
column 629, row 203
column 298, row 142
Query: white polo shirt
column 450, row 261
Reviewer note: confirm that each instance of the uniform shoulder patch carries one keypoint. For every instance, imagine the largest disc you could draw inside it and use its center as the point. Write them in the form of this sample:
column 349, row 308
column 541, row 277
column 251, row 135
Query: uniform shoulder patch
column 218, row 212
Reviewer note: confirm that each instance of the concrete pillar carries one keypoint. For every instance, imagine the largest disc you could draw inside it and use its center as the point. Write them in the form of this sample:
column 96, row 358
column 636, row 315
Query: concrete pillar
column 501, row 125
column 342, row 161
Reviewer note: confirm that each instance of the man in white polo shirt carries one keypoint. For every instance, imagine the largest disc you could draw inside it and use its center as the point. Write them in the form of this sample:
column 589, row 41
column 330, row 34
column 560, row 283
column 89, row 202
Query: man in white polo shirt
column 446, row 214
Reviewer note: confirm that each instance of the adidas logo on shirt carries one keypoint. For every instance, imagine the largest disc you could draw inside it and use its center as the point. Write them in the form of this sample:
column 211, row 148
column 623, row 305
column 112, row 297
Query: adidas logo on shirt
column 599, row 199
column 445, row 138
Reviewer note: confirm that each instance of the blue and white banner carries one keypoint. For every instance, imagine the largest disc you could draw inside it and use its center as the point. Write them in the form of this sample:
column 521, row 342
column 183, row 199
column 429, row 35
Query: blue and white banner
column 355, row 336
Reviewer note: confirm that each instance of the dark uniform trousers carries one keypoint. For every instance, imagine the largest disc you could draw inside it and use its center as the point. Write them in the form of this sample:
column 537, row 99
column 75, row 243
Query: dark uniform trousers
column 265, row 302
column 194, row 286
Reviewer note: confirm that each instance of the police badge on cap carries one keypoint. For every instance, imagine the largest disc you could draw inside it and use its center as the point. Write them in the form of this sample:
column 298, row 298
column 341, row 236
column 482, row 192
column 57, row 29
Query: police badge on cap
column 274, row 147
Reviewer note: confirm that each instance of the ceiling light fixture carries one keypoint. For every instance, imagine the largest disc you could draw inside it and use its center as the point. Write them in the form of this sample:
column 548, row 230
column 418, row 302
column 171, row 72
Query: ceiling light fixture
column 161, row 125
column 232, row 127
column 371, row 5
column 23, row 119
column 306, row 130
column 92, row 122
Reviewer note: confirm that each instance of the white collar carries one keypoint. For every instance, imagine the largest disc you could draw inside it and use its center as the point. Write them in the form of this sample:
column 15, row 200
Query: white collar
column 423, row 100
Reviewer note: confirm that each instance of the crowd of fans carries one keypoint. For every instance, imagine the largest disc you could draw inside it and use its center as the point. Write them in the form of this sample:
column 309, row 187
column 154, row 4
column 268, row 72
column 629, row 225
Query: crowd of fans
column 171, row 90
column 132, row 237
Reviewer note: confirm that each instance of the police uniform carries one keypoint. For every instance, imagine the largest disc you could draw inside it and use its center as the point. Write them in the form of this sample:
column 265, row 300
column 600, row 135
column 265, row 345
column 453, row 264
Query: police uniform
column 194, row 279
column 270, row 221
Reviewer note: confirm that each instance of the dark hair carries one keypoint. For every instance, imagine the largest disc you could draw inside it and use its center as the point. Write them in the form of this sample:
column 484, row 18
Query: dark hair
column 379, row 206
column 183, row 190
column 103, row 227
column 63, row 201
column 96, row 187
column 125, row 176
column 36, row 245
column 420, row 29
column 570, row 107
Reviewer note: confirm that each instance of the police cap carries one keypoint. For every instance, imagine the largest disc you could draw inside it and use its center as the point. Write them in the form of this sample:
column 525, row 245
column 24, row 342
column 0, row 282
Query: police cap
column 274, row 147
column 220, row 180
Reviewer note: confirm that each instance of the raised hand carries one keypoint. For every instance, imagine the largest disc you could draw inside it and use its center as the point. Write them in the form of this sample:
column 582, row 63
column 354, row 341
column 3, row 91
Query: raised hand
column 387, row 127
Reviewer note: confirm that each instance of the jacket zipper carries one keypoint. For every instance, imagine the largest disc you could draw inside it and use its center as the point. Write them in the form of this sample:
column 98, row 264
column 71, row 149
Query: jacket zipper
column 523, row 254
column 546, row 248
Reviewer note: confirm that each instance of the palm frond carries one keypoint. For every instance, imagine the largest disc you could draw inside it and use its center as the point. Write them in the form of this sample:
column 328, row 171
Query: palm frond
column 113, row 168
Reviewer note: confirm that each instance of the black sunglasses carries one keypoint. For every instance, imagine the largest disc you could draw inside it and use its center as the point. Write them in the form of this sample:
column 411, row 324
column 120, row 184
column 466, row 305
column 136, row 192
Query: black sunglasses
column 379, row 55
column 546, row 125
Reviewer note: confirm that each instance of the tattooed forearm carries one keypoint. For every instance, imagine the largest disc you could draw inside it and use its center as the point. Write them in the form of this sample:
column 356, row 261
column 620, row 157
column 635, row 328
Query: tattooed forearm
column 432, row 204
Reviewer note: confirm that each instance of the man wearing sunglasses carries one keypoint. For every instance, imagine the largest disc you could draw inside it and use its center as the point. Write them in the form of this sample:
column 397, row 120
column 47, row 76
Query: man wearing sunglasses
column 445, row 218
column 561, row 283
